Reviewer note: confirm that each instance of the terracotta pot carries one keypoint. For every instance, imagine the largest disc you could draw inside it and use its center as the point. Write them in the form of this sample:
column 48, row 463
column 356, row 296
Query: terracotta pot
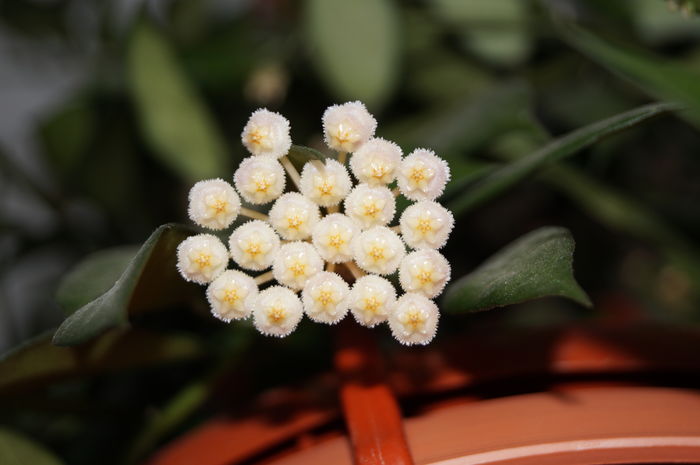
column 568, row 396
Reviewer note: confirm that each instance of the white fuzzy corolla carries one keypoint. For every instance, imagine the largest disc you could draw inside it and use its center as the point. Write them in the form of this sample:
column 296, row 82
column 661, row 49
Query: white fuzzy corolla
column 267, row 133
column 253, row 245
column 426, row 225
column 259, row 179
column 213, row 204
column 294, row 216
column 346, row 127
column 376, row 161
column 231, row 295
column 277, row 311
column 425, row 272
column 423, row 175
column 333, row 237
column 378, row 250
column 371, row 300
column 370, row 206
column 325, row 298
column 201, row 258
column 325, row 183
column 295, row 263
column 414, row 319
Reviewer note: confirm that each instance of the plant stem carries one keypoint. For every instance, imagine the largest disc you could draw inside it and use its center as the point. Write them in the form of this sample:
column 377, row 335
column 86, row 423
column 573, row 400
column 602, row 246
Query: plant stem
column 291, row 171
column 264, row 278
column 354, row 269
column 250, row 213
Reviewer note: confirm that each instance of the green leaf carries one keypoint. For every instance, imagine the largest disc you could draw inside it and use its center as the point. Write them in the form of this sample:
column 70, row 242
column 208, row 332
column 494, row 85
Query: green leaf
column 561, row 148
column 93, row 276
column 660, row 78
column 38, row 361
column 149, row 281
column 302, row 154
column 174, row 120
column 355, row 46
column 538, row 264
column 16, row 449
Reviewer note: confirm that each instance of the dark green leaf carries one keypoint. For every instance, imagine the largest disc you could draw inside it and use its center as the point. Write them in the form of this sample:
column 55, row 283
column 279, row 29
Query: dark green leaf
column 93, row 276
column 355, row 46
column 175, row 122
column 16, row 449
column 149, row 281
column 563, row 147
column 539, row 264
column 39, row 361
column 660, row 78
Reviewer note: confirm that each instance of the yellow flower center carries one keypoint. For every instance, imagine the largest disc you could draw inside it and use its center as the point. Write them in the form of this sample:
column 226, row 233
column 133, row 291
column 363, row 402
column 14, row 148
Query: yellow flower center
column 276, row 314
column 335, row 241
column 371, row 209
column 294, row 222
column 231, row 296
column 220, row 206
column 378, row 171
column 418, row 175
column 372, row 304
column 203, row 260
column 259, row 137
column 298, row 269
column 377, row 253
column 425, row 225
column 414, row 320
column 425, row 276
column 262, row 184
column 253, row 248
column 325, row 187
column 325, row 297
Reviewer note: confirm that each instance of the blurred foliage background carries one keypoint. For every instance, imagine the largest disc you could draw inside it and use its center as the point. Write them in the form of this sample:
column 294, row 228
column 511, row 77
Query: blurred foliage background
column 111, row 109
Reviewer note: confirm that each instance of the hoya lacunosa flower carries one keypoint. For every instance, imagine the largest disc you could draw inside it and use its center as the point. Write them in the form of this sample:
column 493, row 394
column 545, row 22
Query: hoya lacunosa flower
column 260, row 179
column 277, row 311
column 213, row 204
column 325, row 297
column 267, row 133
column 414, row 319
column 328, row 226
column 423, row 175
column 201, row 258
column 346, row 127
column 231, row 295
column 376, row 162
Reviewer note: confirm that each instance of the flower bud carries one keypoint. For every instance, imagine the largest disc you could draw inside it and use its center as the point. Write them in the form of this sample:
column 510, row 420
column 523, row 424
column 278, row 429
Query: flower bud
column 277, row 311
column 231, row 295
column 254, row 245
column 201, row 258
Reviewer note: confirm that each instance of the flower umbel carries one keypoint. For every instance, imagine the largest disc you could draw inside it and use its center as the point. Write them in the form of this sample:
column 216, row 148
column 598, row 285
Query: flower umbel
column 327, row 226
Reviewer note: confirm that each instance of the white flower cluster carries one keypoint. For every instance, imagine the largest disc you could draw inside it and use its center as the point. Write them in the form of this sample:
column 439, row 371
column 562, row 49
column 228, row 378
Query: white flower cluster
column 328, row 225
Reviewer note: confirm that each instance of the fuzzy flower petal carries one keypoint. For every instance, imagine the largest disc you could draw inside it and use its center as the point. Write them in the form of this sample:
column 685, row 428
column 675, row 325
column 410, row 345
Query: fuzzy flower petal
column 376, row 162
column 346, row 127
column 213, row 204
column 295, row 263
column 277, row 311
column 425, row 272
column 201, row 258
column 426, row 225
column 294, row 216
column 325, row 183
column 254, row 245
column 333, row 237
column 379, row 250
column 414, row 319
column 370, row 206
column 325, row 298
column 371, row 300
column 423, row 175
column 260, row 179
column 267, row 133
column 231, row 295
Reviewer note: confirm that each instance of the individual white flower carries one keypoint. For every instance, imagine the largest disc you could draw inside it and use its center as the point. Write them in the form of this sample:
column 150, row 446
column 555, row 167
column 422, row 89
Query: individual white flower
column 201, row 258
column 260, row 179
column 277, row 311
column 346, row 127
column 414, row 319
column 426, row 225
column 325, row 298
column 371, row 300
column 254, row 245
column 213, row 204
column 423, row 175
column 378, row 250
column 325, row 183
column 333, row 237
column 376, row 161
column 267, row 133
column 424, row 271
column 370, row 206
column 295, row 263
column 231, row 295
column 294, row 216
